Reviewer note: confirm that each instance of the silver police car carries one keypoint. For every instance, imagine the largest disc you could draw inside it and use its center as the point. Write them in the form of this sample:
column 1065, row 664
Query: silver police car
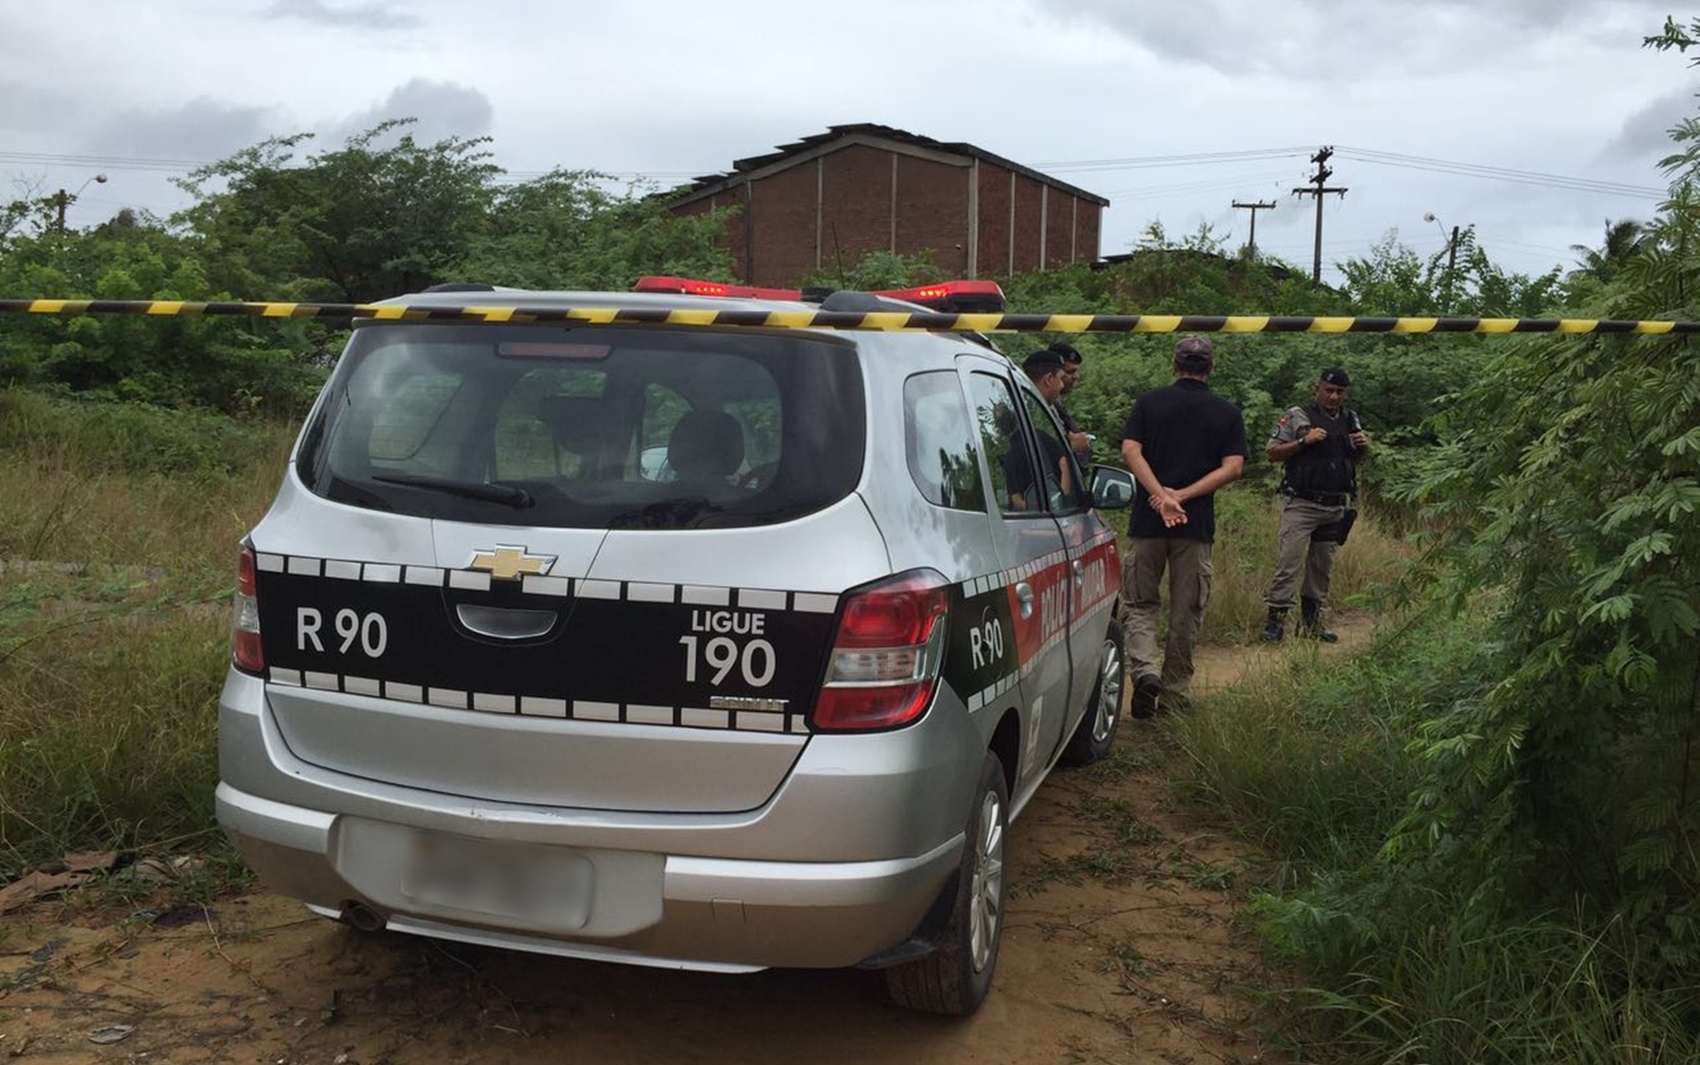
column 671, row 634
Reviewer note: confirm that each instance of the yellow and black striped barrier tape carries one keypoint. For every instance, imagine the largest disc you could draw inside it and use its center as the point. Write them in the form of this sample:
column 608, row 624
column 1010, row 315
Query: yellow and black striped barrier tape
column 875, row 320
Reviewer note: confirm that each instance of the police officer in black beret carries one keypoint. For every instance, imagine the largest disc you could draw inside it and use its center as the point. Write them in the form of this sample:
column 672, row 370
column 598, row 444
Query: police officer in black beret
column 1047, row 370
column 1079, row 440
column 1321, row 444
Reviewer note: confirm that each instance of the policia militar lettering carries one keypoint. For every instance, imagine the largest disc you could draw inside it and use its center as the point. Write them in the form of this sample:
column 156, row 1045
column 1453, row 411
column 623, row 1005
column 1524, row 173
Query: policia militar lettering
column 1321, row 444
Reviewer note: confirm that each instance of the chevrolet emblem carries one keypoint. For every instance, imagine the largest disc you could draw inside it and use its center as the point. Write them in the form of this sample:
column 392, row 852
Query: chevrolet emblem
column 509, row 562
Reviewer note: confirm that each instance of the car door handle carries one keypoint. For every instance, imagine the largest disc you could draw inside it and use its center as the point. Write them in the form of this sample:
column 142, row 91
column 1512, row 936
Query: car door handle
column 1024, row 596
column 500, row 623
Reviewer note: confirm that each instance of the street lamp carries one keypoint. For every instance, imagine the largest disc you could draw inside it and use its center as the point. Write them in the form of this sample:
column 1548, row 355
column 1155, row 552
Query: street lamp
column 1451, row 259
column 64, row 198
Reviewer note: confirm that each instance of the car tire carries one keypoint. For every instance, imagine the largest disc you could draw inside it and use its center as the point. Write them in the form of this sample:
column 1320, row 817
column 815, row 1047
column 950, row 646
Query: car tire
column 1096, row 733
column 956, row 976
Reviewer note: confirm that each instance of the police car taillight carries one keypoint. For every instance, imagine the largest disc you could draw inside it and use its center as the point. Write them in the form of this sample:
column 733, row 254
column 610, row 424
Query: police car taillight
column 245, row 649
column 692, row 287
column 955, row 297
column 886, row 655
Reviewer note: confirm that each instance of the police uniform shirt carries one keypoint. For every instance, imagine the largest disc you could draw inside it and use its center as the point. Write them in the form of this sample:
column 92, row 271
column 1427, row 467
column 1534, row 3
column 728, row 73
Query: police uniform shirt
column 1293, row 424
column 1185, row 431
column 1332, row 462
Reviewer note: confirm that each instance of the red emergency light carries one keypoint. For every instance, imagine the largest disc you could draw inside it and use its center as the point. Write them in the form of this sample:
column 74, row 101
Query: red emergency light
column 958, row 297
column 692, row 287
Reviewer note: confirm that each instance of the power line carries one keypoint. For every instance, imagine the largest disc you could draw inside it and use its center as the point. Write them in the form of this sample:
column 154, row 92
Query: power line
column 1398, row 159
column 1209, row 184
column 104, row 162
column 1194, row 159
column 1500, row 173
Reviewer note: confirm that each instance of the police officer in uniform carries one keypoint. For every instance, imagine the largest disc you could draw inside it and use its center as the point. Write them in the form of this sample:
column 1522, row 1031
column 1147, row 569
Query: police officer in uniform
column 1079, row 440
column 1321, row 444
column 1048, row 371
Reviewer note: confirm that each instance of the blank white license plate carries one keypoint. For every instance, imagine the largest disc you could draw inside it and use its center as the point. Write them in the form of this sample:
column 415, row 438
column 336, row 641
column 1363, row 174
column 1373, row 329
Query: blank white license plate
column 550, row 886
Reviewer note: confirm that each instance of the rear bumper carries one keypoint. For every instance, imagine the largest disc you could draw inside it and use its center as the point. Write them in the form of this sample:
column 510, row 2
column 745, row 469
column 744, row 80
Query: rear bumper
column 840, row 864
column 665, row 910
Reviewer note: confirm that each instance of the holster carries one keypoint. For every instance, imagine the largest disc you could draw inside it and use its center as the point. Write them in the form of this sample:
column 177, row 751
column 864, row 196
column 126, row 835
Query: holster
column 1336, row 532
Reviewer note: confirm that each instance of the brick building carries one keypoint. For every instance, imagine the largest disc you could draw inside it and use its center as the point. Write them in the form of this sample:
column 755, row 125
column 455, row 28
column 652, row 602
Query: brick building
column 834, row 197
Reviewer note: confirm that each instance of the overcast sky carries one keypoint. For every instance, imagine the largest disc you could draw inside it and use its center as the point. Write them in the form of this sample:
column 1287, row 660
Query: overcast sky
column 1103, row 94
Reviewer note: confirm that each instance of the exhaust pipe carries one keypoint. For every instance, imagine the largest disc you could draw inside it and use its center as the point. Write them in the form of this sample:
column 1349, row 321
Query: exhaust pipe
column 362, row 916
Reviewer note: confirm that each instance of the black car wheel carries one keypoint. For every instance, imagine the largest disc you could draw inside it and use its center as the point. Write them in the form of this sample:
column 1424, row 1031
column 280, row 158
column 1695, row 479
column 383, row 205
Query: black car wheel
column 955, row 977
column 1096, row 733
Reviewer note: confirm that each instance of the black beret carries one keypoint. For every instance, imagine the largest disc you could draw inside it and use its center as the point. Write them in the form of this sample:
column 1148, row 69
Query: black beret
column 1042, row 360
column 1337, row 375
column 1067, row 352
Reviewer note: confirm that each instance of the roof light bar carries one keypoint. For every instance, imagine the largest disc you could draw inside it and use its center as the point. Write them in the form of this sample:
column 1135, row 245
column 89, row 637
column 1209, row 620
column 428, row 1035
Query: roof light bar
column 692, row 287
column 961, row 297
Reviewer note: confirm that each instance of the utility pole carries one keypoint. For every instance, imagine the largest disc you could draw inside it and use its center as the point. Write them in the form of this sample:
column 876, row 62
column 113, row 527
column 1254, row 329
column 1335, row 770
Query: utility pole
column 1251, row 245
column 1320, row 180
column 64, row 199
column 1451, row 263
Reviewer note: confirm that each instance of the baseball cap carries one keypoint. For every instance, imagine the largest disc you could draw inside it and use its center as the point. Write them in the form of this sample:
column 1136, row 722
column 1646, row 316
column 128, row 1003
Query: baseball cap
column 1336, row 375
column 1194, row 353
column 1042, row 360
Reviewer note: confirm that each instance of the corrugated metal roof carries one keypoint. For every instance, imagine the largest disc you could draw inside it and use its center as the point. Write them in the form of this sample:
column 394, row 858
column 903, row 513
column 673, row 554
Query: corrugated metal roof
column 709, row 184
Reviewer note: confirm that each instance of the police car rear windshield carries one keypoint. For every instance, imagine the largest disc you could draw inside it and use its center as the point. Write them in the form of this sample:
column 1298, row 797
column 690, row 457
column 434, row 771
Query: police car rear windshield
column 586, row 427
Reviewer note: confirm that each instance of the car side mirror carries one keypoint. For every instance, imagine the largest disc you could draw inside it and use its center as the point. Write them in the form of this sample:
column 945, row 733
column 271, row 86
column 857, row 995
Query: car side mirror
column 1112, row 488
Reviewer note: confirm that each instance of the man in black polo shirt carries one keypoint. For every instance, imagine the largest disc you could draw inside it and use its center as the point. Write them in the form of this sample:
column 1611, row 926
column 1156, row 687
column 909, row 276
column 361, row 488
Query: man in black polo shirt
column 1182, row 442
column 1321, row 444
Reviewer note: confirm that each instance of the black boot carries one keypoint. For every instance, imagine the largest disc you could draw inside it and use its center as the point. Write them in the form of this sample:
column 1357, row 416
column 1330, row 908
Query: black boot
column 1311, row 625
column 1147, row 691
column 1276, row 626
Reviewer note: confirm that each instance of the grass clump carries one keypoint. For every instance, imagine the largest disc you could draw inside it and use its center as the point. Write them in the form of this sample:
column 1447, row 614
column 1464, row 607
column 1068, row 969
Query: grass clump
column 119, row 526
column 131, row 486
column 1406, row 956
column 107, row 729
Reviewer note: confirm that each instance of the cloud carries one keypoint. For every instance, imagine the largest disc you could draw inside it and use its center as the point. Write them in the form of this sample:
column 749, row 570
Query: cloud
column 1337, row 39
column 1646, row 132
column 201, row 129
column 440, row 110
column 380, row 16
column 37, row 108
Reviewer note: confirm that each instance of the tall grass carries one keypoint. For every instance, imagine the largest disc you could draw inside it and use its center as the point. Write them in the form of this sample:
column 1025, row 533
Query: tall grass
column 1248, row 520
column 118, row 534
column 1312, row 759
column 131, row 486
column 107, row 728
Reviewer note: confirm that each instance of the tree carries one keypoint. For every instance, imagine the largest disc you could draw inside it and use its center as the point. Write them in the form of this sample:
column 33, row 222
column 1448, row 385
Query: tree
column 353, row 225
column 225, row 363
column 566, row 231
column 1623, row 239
column 1566, row 502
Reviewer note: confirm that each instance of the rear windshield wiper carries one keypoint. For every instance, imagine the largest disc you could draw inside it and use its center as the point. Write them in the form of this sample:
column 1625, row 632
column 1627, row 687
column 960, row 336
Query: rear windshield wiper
column 506, row 494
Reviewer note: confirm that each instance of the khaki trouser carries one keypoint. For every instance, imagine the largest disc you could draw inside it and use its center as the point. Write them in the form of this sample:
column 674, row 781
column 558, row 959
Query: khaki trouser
column 1188, row 564
column 1299, row 519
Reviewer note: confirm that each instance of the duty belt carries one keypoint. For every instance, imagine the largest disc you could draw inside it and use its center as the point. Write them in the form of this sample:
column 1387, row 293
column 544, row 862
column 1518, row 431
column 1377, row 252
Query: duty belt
column 1326, row 499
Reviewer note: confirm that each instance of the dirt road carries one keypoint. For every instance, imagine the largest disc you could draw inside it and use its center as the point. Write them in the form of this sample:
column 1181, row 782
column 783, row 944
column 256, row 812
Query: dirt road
column 1121, row 947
